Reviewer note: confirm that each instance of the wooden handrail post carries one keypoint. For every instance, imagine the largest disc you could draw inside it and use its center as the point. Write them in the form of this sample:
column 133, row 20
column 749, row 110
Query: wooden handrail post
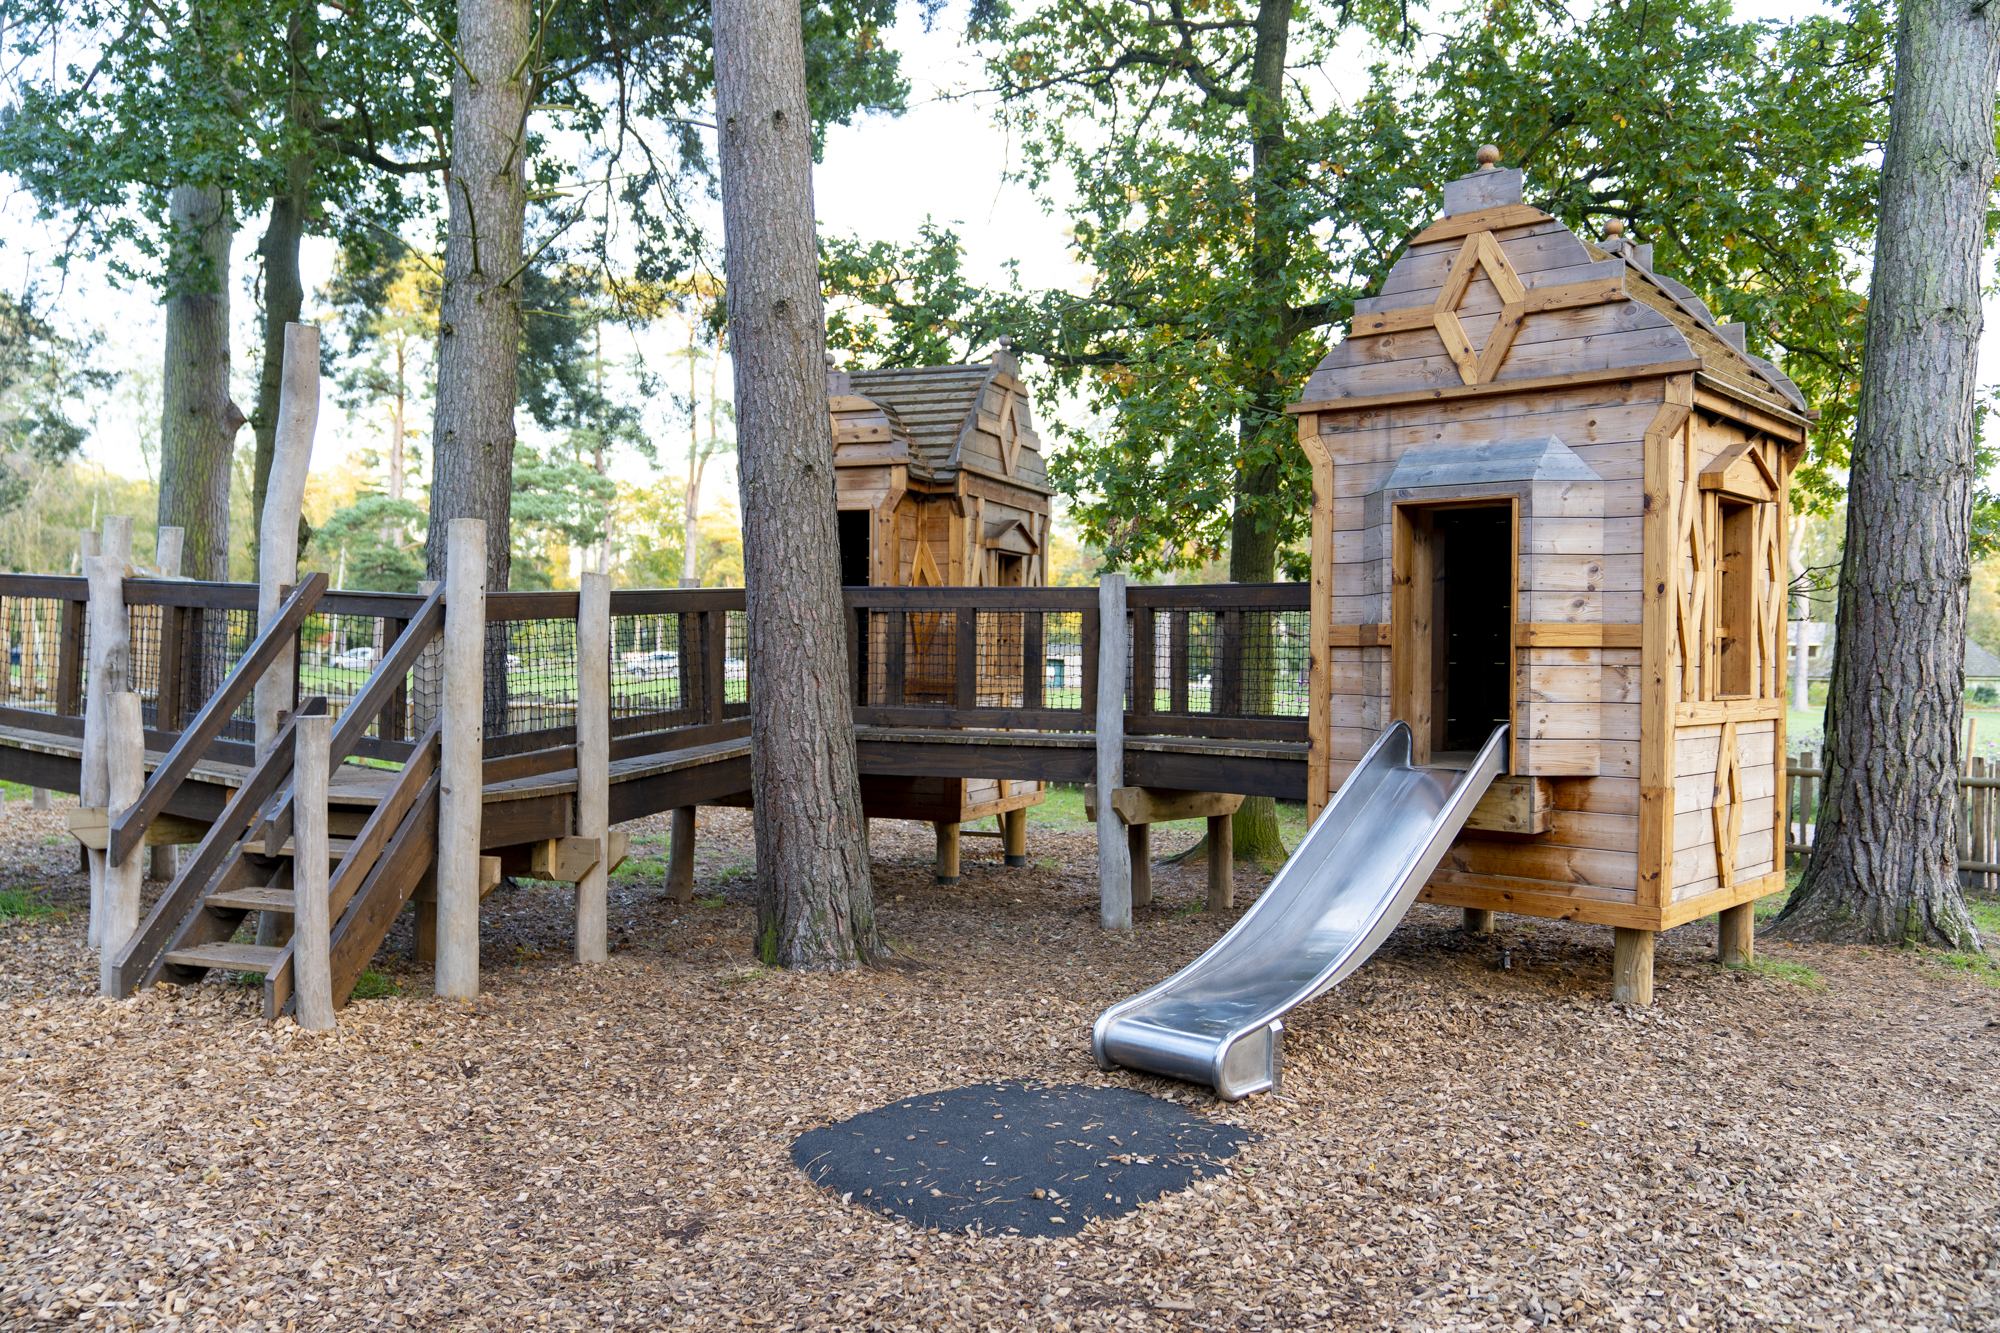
column 105, row 675
column 125, row 756
column 277, row 534
column 312, row 965
column 1114, row 857
column 460, row 791
column 593, row 761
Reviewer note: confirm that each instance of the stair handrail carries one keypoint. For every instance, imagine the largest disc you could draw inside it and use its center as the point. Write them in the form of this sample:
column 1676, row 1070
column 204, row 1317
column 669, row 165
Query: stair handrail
column 272, row 639
column 141, row 954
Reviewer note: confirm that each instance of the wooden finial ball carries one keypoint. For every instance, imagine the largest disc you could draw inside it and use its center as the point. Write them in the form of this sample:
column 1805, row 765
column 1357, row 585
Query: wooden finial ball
column 1489, row 156
column 1615, row 227
column 830, row 363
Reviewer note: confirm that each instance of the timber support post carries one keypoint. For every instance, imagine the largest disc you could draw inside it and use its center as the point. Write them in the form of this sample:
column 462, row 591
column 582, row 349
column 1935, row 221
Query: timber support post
column 1478, row 921
column 105, row 674
column 1632, row 967
column 312, row 961
column 1139, row 844
column 680, row 856
column 125, row 756
column 947, row 852
column 1014, row 836
column 167, row 544
column 460, row 792
column 593, row 763
column 1221, row 863
column 1114, row 857
column 1736, row 935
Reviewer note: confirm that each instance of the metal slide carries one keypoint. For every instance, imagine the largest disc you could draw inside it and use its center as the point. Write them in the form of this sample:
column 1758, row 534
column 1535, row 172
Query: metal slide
column 1216, row 1021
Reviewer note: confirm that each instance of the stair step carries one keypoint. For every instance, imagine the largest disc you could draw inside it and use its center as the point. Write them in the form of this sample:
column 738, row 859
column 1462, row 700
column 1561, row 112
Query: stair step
column 336, row 848
column 231, row 955
column 252, row 900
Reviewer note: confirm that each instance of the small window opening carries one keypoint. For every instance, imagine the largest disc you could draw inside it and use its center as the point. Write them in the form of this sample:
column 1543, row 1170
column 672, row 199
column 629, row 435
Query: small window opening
column 1735, row 603
column 1009, row 571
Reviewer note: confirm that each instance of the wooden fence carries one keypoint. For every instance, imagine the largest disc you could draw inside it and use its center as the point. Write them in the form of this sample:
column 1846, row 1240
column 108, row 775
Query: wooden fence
column 1978, row 817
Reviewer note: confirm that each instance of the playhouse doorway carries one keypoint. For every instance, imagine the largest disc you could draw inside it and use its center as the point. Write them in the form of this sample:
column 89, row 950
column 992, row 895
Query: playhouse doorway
column 1455, row 584
column 856, row 569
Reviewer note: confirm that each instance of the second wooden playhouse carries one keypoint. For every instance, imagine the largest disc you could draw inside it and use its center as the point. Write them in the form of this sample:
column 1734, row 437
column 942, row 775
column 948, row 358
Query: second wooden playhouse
column 1550, row 490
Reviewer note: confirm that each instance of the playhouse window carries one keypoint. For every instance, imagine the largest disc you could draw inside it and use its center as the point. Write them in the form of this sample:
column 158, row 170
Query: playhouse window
column 1735, row 599
column 1009, row 570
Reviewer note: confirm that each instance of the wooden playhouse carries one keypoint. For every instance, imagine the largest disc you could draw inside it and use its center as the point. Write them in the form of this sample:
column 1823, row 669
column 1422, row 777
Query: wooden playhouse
column 940, row 483
column 1549, row 490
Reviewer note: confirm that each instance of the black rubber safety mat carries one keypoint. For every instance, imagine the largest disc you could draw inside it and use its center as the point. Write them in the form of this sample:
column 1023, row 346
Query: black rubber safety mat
column 1014, row 1159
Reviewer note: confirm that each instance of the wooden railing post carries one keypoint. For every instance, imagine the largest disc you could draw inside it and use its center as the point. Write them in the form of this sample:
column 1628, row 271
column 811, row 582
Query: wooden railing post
column 593, row 761
column 965, row 658
column 277, row 533
column 312, row 930
column 107, row 674
column 165, row 858
column 125, row 756
column 460, row 791
column 1114, row 857
column 1145, row 674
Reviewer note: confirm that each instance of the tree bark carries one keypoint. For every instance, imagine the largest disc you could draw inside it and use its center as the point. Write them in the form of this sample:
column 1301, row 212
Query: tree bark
column 198, row 420
column 479, row 326
column 815, row 904
column 1884, row 860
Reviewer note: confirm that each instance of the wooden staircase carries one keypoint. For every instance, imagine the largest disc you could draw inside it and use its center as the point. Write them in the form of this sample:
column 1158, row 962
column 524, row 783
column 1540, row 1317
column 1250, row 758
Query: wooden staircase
column 244, row 864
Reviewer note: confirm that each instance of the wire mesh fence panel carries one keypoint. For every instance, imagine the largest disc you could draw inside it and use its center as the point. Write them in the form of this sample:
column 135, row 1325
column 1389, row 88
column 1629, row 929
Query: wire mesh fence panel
column 1229, row 663
column 214, row 640
column 735, row 663
column 646, row 676
column 337, row 653
column 33, row 628
column 530, row 676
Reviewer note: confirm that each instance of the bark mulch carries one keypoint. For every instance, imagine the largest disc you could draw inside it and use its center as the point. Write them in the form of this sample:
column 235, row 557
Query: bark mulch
column 1454, row 1146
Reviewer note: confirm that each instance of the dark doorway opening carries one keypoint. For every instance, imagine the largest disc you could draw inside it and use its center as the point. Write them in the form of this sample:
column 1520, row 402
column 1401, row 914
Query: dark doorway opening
column 1472, row 625
column 855, row 566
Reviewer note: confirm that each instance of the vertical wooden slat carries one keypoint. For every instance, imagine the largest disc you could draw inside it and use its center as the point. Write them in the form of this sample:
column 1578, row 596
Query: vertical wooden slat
column 688, row 632
column 1319, row 680
column 965, row 657
column 1226, row 685
column 1659, row 628
column 69, row 659
column 394, row 721
column 714, row 663
column 1089, row 645
column 1034, row 660
column 894, row 670
column 1177, row 661
column 1144, row 673
column 167, row 708
column 1114, row 855
column 855, row 684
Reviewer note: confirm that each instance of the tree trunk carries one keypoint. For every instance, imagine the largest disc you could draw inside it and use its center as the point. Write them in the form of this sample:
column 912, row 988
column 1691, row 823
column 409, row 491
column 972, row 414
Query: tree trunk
column 198, row 420
column 1884, row 860
column 815, row 904
column 284, row 299
column 1253, row 532
column 479, row 324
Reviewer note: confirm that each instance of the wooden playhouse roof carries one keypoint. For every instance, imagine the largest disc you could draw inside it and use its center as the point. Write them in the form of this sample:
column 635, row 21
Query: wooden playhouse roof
column 940, row 420
column 1497, row 291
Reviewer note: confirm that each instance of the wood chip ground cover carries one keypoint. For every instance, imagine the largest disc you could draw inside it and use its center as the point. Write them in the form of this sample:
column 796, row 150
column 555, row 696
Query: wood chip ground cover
column 1454, row 1147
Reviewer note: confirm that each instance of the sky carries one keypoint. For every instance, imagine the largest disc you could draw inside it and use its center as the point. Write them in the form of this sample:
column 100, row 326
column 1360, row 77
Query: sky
column 880, row 178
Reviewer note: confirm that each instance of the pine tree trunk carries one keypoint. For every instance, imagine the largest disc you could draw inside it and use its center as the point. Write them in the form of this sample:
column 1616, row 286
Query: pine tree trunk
column 198, row 420
column 815, row 904
column 479, row 315
column 284, row 299
column 1884, row 860
column 1253, row 532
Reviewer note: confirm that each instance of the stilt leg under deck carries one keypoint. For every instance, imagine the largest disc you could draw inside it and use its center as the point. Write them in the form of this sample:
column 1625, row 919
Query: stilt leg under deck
column 680, row 856
column 947, row 852
column 1139, row 841
column 1632, row 967
column 1737, row 935
column 165, row 863
column 1221, row 863
column 1014, row 836
column 1478, row 921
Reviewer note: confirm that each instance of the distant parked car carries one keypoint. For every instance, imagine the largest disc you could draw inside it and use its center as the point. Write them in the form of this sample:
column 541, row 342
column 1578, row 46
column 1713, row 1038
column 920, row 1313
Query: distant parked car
column 661, row 663
column 356, row 659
